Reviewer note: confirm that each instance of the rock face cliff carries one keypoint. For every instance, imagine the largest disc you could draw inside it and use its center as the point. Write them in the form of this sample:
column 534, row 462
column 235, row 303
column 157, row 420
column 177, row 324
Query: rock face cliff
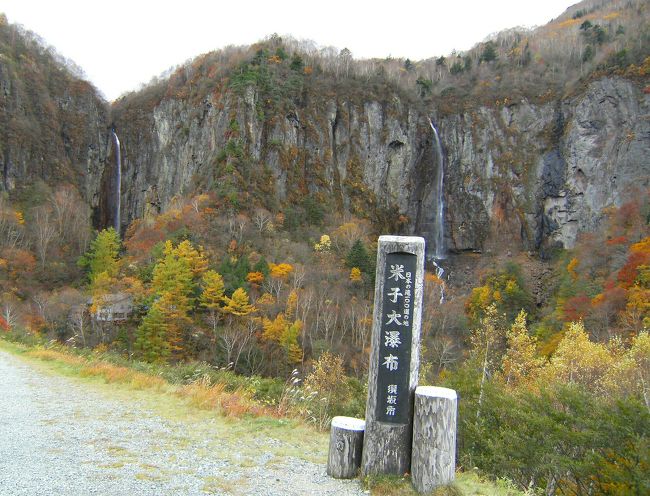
column 541, row 174
column 53, row 125
column 516, row 174
column 352, row 156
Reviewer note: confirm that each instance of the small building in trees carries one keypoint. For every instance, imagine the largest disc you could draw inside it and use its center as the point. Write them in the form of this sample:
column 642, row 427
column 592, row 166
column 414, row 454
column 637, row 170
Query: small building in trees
column 114, row 307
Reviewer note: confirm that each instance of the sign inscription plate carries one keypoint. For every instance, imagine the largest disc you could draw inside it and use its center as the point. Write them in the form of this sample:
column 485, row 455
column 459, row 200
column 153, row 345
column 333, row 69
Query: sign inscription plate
column 395, row 339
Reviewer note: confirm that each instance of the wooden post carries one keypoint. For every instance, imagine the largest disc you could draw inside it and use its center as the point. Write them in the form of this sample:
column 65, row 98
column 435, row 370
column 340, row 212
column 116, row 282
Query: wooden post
column 346, row 442
column 394, row 355
column 434, row 437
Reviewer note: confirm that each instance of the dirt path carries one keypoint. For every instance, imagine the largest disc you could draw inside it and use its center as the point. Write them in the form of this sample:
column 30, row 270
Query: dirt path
column 61, row 436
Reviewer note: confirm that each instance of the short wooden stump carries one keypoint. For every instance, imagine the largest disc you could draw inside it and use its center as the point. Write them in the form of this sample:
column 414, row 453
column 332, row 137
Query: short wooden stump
column 433, row 459
column 346, row 444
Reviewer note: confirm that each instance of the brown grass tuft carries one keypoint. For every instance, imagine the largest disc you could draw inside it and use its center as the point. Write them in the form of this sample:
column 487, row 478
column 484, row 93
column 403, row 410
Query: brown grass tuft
column 50, row 355
column 145, row 381
column 123, row 375
column 109, row 372
column 201, row 394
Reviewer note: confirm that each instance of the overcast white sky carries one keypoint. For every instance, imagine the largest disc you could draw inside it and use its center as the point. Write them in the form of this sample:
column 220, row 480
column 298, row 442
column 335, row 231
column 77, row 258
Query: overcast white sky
column 121, row 44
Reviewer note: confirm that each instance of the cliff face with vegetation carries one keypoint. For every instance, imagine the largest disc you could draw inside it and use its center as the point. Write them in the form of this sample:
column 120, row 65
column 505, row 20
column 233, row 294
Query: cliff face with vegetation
column 535, row 174
column 52, row 124
column 349, row 153
column 540, row 174
column 537, row 139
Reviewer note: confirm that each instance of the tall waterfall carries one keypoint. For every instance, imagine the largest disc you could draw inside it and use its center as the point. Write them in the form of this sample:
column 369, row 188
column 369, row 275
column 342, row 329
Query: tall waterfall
column 118, row 182
column 439, row 225
column 439, row 252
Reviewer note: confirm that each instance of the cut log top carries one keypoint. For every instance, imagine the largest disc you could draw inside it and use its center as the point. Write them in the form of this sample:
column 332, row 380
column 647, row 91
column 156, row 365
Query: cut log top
column 387, row 238
column 349, row 423
column 436, row 392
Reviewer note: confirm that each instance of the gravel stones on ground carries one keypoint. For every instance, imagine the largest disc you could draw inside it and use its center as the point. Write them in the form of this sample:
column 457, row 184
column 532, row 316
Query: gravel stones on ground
column 62, row 437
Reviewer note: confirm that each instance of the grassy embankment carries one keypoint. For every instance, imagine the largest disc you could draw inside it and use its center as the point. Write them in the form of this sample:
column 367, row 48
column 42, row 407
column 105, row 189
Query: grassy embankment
column 249, row 410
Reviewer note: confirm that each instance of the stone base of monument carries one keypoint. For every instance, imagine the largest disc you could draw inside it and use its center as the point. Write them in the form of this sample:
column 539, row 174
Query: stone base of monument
column 346, row 443
column 433, row 457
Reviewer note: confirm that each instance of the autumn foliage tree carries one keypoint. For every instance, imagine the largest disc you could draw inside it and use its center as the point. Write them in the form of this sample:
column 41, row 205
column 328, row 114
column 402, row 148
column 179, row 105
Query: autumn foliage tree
column 240, row 327
column 505, row 290
column 212, row 296
column 238, row 304
column 174, row 282
column 281, row 339
column 605, row 283
column 577, row 420
column 521, row 362
column 103, row 255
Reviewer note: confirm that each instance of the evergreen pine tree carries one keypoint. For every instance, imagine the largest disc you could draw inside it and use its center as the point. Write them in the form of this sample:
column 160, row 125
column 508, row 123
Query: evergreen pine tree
column 151, row 337
column 489, row 53
column 358, row 257
column 102, row 255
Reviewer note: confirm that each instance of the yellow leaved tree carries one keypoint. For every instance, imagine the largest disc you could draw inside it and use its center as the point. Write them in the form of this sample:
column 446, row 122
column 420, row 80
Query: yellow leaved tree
column 240, row 328
column 280, row 336
column 355, row 275
column 578, row 360
column 238, row 304
column 194, row 256
column 212, row 297
column 521, row 364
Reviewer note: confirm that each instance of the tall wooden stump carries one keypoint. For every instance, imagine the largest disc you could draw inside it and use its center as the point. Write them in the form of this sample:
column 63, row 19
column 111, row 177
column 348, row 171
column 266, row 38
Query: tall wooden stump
column 346, row 442
column 394, row 355
column 433, row 460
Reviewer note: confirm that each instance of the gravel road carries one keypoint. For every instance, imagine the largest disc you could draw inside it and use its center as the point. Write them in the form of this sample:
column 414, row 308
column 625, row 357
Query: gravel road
column 60, row 436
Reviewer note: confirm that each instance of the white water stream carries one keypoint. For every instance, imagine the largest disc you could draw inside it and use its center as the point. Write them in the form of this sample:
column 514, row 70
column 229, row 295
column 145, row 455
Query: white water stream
column 439, row 252
column 118, row 185
column 439, row 225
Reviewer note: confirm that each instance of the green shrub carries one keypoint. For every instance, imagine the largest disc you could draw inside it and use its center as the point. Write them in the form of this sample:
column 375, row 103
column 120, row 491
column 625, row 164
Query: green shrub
column 561, row 439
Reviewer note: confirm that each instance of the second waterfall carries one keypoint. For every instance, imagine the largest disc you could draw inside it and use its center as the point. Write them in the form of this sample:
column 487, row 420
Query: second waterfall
column 118, row 183
column 439, row 252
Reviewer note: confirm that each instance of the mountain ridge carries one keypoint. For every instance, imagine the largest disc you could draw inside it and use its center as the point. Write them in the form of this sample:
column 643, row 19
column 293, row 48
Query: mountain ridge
column 353, row 135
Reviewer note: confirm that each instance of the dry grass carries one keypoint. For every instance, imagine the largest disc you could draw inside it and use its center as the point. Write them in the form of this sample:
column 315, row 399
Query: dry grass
column 52, row 355
column 110, row 373
column 123, row 375
column 201, row 394
column 217, row 485
column 145, row 381
column 466, row 484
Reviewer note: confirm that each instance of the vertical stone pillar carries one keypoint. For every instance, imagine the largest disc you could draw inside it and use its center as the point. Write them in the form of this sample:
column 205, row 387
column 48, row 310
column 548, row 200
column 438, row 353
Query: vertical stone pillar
column 394, row 355
column 433, row 462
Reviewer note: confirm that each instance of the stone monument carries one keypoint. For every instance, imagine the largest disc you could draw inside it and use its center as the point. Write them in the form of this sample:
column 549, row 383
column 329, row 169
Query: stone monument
column 394, row 355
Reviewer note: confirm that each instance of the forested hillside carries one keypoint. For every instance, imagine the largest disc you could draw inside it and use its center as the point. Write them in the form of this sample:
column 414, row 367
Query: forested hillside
column 255, row 181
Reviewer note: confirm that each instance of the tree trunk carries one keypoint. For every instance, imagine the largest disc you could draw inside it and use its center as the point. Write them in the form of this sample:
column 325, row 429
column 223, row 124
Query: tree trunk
column 346, row 441
column 433, row 461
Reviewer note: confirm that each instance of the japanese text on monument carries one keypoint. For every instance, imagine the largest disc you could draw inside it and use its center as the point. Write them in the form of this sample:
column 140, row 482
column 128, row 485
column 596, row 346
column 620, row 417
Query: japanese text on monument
column 395, row 344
